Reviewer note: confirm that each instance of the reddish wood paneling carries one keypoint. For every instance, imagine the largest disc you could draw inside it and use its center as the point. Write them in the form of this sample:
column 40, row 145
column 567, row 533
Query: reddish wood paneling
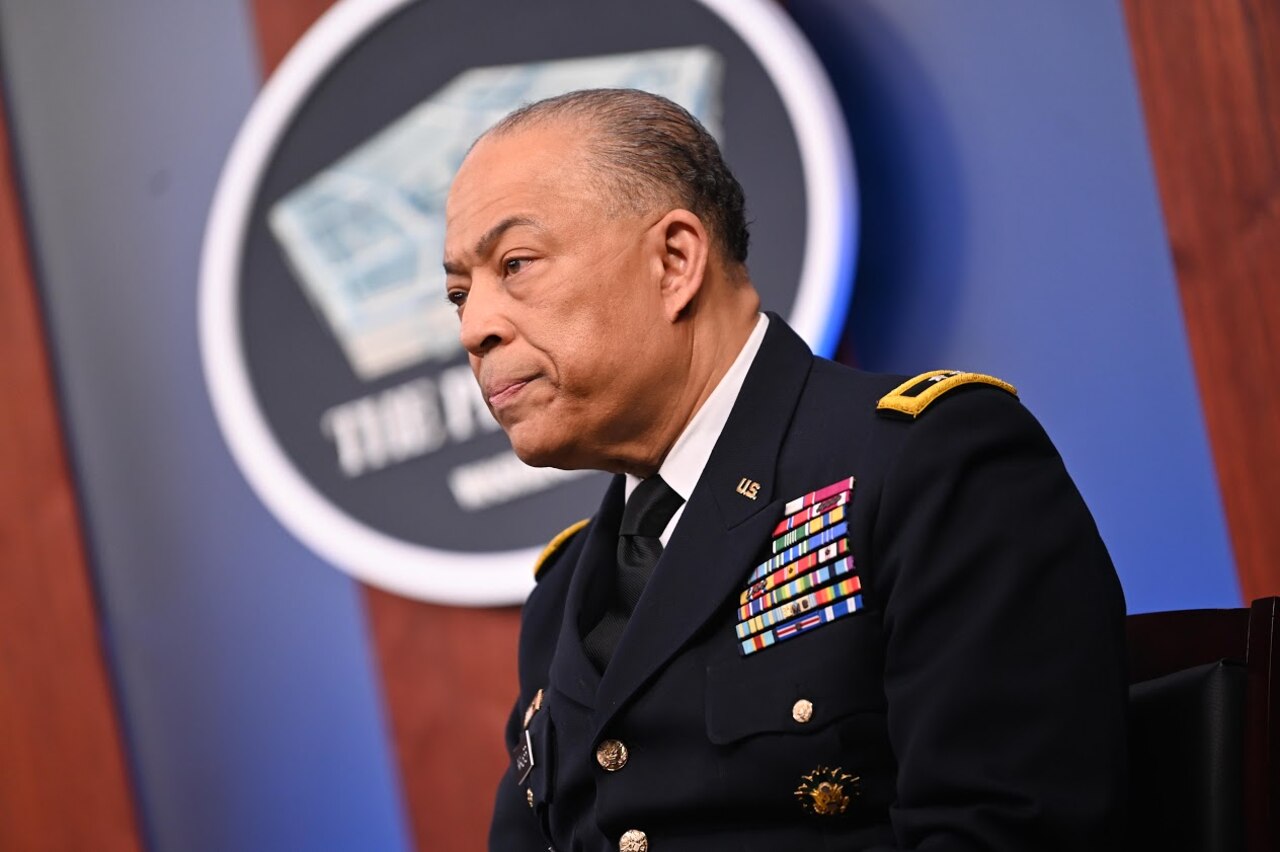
column 449, row 679
column 63, row 780
column 448, row 674
column 280, row 23
column 1209, row 73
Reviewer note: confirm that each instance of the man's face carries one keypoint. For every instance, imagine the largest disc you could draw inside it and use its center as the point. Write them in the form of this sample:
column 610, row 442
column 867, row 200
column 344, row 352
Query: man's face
column 559, row 300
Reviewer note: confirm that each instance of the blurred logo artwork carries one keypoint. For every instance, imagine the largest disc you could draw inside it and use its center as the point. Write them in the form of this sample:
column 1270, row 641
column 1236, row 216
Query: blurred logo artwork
column 332, row 357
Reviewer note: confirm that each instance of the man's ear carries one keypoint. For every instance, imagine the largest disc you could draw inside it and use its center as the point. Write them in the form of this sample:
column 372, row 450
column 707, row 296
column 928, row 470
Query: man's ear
column 685, row 248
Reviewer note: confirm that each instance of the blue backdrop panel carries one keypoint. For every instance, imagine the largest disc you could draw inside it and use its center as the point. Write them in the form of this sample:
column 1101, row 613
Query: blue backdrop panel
column 240, row 660
column 1011, row 225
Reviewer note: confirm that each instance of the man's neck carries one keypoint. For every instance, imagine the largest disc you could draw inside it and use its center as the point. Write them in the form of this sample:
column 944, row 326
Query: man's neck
column 713, row 329
column 683, row 464
column 713, row 350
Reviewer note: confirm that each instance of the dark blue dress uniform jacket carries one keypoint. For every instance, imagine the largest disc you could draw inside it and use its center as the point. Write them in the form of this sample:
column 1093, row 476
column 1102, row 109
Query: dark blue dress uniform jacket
column 978, row 697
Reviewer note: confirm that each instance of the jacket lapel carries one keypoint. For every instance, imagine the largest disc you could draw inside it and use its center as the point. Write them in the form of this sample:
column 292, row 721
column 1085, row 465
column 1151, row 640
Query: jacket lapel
column 572, row 673
column 721, row 531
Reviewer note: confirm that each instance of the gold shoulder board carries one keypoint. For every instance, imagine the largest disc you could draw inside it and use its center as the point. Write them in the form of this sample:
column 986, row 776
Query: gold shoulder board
column 556, row 543
column 915, row 395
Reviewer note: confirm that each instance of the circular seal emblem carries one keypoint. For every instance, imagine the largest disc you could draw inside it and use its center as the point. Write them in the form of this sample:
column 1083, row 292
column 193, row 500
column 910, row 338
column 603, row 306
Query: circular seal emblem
column 331, row 356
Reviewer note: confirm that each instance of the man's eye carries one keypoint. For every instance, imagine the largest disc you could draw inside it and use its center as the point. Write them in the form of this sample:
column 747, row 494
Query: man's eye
column 512, row 265
column 457, row 298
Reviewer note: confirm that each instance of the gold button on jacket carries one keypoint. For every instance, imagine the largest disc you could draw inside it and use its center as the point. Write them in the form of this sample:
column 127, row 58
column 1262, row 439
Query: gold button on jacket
column 634, row 841
column 612, row 755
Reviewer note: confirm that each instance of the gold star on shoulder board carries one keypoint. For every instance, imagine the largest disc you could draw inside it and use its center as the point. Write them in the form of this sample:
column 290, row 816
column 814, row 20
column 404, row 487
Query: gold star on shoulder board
column 827, row 792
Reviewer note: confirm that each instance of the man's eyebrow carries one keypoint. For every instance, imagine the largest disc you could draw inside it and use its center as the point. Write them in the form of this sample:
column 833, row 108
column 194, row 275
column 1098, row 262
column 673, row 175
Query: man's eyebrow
column 485, row 244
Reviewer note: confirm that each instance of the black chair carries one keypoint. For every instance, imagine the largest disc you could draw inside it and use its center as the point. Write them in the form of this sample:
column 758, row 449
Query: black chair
column 1204, row 703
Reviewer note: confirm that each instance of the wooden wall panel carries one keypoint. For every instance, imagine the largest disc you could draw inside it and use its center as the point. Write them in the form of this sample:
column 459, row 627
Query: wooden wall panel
column 63, row 778
column 1209, row 73
column 448, row 674
column 279, row 25
column 449, row 678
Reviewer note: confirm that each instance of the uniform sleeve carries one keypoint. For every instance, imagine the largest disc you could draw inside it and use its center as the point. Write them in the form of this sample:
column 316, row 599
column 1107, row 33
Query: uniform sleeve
column 1004, row 622
column 514, row 827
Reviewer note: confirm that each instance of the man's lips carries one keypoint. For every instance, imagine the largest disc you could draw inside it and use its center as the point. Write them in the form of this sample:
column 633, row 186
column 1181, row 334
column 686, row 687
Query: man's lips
column 500, row 393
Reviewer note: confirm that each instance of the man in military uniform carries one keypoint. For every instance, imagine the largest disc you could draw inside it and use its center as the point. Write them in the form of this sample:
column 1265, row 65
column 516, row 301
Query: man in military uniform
column 817, row 608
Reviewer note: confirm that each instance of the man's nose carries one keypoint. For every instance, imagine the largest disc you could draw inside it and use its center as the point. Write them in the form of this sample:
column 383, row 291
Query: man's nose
column 483, row 324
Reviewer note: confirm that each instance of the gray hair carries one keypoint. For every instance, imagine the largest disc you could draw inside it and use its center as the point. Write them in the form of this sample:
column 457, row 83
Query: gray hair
column 651, row 150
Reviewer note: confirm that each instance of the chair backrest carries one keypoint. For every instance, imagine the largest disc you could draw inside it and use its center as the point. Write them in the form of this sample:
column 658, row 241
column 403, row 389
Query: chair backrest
column 1205, row 729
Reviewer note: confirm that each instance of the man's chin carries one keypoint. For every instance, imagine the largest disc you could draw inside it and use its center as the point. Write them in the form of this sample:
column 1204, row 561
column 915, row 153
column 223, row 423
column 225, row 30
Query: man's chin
column 550, row 451
column 540, row 453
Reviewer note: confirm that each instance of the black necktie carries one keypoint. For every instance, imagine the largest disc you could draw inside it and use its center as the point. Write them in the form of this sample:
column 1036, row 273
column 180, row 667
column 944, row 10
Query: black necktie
column 646, row 515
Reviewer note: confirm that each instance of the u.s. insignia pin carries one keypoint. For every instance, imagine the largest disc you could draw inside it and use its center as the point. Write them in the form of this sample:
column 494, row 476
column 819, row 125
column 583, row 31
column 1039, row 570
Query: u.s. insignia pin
column 827, row 792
